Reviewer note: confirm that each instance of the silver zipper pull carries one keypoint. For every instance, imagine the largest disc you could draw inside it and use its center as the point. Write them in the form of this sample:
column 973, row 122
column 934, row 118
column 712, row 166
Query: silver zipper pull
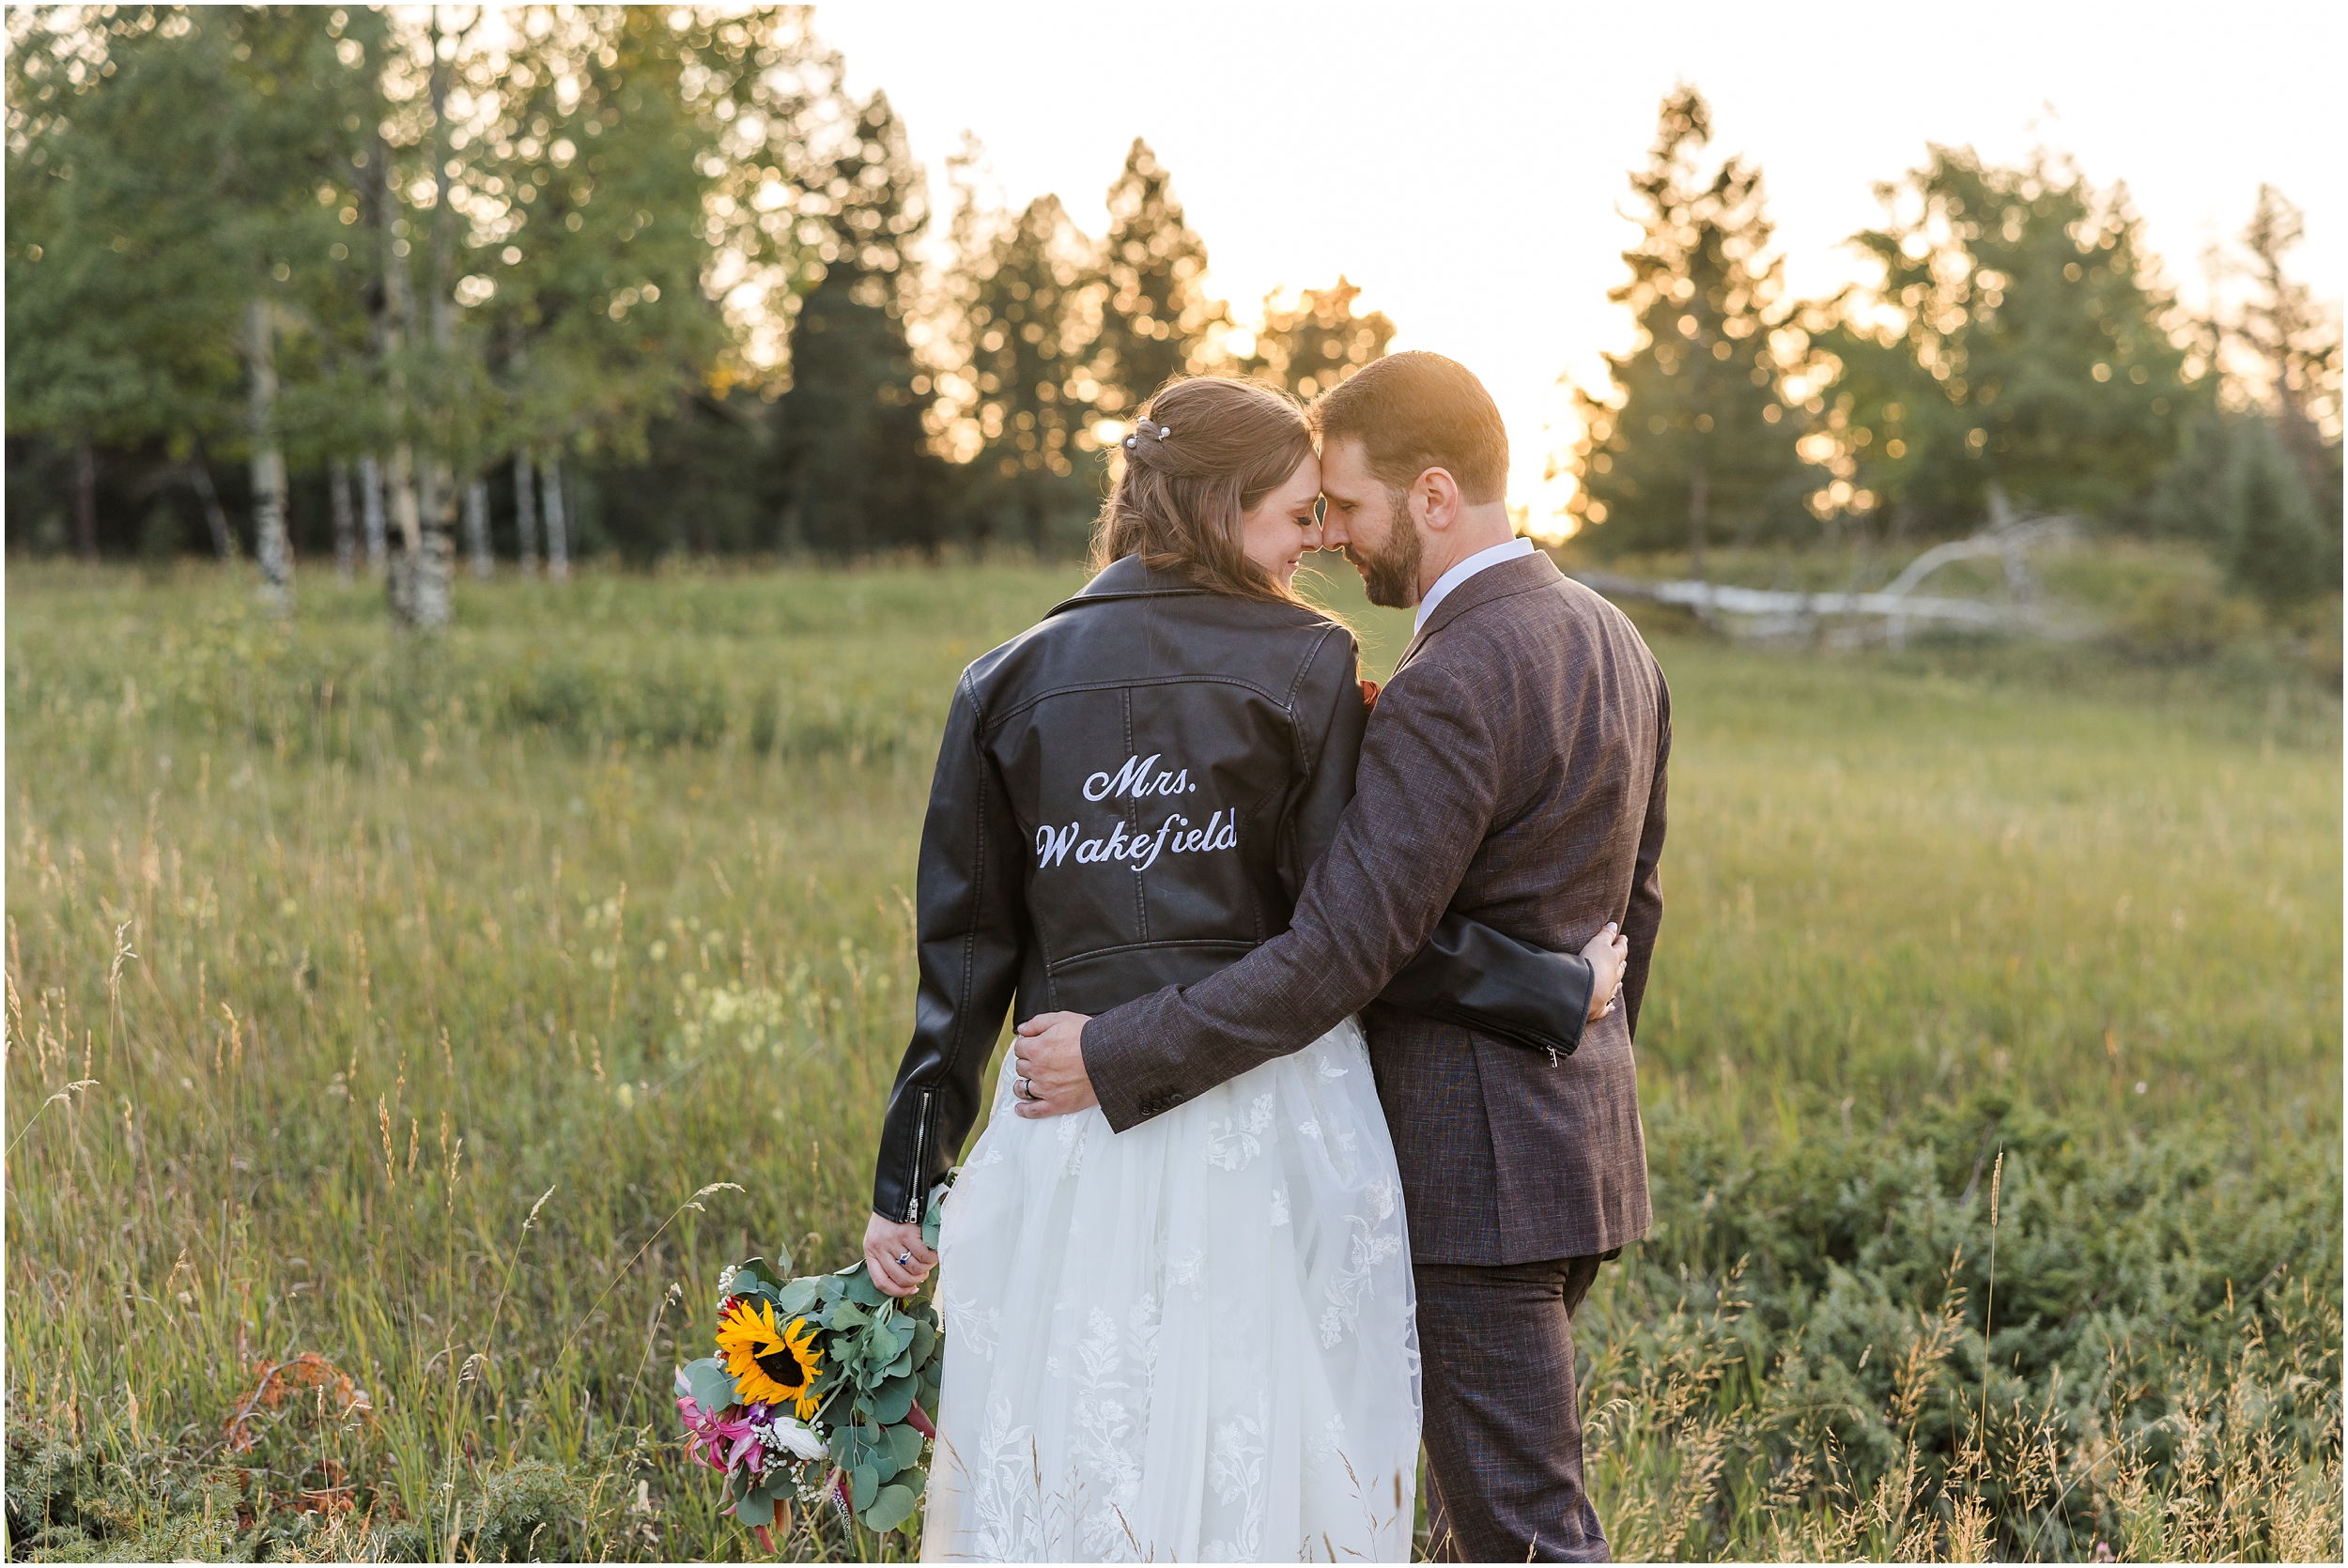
column 1553, row 1055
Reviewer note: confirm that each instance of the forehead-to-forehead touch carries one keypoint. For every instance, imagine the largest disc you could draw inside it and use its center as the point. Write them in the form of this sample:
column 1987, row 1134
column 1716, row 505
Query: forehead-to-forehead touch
column 1345, row 470
column 1413, row 412
column 1303, row 483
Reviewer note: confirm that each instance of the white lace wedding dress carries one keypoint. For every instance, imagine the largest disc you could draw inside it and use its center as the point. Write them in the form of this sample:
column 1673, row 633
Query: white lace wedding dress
column 1192, row 1341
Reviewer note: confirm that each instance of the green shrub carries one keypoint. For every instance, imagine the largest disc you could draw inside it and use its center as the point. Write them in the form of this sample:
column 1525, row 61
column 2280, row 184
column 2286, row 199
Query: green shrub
column 2186, row 618
column 1840, row 1298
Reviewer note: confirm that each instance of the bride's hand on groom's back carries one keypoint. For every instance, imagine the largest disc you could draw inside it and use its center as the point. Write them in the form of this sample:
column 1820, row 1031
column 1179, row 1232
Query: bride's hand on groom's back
column 1609, row 953
column 1049, row 1077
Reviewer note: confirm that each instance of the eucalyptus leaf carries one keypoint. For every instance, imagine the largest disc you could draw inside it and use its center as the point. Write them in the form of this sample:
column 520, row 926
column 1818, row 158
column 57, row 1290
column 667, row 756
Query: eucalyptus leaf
column 883, row 1342
column 924, row 1341
column 795, row 1298
column 934, row 1212
column 908, row 1443
column 713, row 1389
column 866, row 1484
column 757, row 1270
column 901, row 1366
column 895, row 1400
column 883, row 1458
column 847, row 1314
column 891, row 1508
column 860, row 1287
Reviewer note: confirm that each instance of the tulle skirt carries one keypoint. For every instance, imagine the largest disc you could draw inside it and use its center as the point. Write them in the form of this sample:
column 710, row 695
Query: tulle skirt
column 1192, row 1341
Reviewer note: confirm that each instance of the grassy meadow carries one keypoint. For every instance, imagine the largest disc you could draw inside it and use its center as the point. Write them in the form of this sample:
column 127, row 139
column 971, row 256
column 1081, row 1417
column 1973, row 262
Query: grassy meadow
column 397, row 1004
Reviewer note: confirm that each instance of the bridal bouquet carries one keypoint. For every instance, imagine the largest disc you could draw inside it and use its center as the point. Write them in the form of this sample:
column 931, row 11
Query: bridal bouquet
column 820, row 1391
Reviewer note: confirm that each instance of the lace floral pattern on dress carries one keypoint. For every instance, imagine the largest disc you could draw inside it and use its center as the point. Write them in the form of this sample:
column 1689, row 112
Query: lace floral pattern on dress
column 1189, row 1340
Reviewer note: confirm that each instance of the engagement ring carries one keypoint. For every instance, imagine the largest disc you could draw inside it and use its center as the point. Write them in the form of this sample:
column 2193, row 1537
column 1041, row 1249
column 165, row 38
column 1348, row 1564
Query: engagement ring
column 905, row 1260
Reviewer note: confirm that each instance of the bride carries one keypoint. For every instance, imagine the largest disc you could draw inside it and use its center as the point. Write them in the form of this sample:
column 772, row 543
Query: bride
column 1192, row 1339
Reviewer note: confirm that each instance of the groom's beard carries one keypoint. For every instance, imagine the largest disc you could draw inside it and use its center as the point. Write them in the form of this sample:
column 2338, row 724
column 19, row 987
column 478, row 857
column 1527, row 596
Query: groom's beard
column 1390, row 576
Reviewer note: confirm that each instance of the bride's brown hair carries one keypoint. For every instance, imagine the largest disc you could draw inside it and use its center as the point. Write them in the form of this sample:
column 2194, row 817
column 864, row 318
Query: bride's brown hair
column 1204, row 451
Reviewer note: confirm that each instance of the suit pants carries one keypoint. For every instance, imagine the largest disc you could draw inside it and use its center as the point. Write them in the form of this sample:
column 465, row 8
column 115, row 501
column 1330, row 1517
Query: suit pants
column 1503, row 1423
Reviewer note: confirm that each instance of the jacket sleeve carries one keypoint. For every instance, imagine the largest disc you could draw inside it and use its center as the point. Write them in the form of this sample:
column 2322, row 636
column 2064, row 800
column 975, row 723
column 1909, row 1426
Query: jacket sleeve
column 970, row 927
column 1644, row 919
column 1427, row 799
column 1331, row 716
column 1468, row 972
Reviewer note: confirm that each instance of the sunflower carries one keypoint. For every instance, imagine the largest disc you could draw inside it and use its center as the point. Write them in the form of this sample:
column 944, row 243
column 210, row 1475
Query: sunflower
column 770, row 1365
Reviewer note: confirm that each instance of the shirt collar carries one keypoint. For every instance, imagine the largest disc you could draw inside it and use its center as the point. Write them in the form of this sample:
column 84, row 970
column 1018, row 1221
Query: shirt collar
column 1514, row 550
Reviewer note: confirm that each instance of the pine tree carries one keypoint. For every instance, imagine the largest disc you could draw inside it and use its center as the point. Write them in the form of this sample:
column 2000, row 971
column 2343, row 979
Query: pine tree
column 1033, row 317
column 2275, row 544
column 2299, row 345
column 2027, row 352
column 1156, row 313
column 856, row 473
column 1694, row 443
column 1311, row 345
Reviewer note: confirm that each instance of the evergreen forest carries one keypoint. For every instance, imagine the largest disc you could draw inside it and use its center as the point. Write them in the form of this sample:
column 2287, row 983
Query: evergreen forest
column 313, row 284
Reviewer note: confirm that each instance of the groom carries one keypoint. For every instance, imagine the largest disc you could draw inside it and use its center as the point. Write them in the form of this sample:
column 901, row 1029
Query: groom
column 1513, row 771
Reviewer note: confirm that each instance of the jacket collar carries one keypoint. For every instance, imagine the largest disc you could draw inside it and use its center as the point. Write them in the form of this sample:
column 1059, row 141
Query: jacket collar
column 1129, row 578
column 1520, row 576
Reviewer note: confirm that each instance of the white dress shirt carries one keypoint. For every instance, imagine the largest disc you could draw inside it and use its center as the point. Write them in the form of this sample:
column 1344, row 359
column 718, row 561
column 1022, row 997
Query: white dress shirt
column 1515, row 550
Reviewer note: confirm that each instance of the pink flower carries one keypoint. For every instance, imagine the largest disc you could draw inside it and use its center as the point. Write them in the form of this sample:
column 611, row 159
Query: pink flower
column 732, row 1439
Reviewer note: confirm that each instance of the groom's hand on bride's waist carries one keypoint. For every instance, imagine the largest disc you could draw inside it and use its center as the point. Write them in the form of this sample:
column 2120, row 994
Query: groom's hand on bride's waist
column 1048, row 1065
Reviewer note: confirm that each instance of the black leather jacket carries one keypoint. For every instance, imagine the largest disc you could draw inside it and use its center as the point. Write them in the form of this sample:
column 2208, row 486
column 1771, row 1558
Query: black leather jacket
column 1128, row 797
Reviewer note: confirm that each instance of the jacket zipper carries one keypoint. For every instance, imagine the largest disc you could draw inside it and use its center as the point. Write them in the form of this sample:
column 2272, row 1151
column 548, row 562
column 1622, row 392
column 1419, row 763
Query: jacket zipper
column 920, row 1139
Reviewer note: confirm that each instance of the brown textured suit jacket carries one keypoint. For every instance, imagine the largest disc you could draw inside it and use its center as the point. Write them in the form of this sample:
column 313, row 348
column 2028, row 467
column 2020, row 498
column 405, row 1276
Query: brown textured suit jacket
column 1513, row 771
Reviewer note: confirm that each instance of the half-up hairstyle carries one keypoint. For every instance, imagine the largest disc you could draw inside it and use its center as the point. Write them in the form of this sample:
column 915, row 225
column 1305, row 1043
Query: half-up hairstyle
column 1205, row 450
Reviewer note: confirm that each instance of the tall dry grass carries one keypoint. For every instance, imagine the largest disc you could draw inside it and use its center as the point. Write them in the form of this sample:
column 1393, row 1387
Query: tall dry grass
column 397, row 1005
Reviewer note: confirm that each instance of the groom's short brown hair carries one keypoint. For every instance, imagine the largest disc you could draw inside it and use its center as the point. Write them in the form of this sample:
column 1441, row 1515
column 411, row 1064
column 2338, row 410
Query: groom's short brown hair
column 1416, row 411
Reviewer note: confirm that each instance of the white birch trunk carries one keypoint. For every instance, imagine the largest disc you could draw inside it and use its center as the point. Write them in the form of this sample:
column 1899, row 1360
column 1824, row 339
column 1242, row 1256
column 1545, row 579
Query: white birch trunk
column 558, row 521
column 477, row 528
column 432, row 570
column 345, row 526
column 433, row 554
column 271, row 548
column 371, row 511
column 526, row 512
column 409, row 582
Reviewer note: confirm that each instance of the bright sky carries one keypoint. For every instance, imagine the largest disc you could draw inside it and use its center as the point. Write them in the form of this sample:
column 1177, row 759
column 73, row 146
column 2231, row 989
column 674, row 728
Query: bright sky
column 1464, row 162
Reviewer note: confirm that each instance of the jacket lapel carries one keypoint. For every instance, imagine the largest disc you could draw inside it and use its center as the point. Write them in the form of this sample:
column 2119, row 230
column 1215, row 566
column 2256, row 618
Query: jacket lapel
column 1520, row 576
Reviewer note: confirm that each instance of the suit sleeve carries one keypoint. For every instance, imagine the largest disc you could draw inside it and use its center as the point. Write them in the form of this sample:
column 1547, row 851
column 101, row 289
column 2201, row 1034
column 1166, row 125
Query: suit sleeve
column 970, row 930
column 1644, row 919
column 1468, row 972
column 1426, row 799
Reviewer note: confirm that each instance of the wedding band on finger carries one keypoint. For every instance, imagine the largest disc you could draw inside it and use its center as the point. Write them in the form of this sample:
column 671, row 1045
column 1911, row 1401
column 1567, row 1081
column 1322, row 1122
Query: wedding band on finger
column 1020, row 1090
